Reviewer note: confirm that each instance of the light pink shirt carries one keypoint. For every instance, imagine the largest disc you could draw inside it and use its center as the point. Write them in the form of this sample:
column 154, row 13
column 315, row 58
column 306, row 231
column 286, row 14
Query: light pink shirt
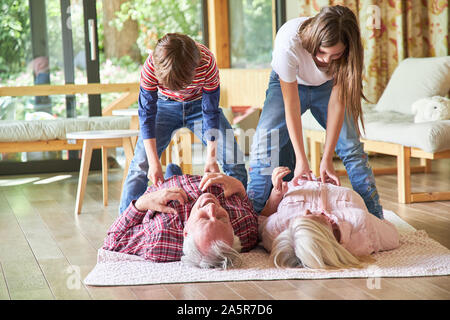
column 361, row 232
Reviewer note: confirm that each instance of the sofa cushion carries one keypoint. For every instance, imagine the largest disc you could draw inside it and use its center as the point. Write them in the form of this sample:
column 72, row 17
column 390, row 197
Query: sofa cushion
column 414, row 79
column 394, row 127
column 34, row 130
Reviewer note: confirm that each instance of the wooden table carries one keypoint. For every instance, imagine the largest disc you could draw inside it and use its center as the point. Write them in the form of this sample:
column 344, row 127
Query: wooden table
column 101, row 139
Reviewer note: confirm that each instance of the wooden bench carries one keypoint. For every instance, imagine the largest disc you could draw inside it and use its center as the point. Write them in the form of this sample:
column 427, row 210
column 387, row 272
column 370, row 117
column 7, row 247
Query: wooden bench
column 130, row 96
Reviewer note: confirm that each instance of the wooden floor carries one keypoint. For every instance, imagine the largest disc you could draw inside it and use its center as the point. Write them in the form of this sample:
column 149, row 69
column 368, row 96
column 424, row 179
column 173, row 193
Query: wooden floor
column 45, row 250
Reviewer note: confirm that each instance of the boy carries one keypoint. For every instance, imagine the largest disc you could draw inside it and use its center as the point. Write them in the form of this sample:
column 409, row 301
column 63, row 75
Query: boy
column 179, row 87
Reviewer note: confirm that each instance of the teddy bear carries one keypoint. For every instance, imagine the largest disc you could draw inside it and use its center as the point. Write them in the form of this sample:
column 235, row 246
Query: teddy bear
column 431, row 109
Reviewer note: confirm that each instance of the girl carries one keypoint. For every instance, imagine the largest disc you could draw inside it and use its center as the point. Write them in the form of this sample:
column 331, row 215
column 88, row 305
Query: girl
column 317, row 64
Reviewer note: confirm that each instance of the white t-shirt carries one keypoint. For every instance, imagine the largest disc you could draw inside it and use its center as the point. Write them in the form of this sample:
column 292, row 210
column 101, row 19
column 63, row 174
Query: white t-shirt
column 290, row 61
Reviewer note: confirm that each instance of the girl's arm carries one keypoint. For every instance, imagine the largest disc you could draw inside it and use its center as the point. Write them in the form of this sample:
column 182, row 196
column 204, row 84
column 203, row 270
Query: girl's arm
column 294, row 124
column 335, row 118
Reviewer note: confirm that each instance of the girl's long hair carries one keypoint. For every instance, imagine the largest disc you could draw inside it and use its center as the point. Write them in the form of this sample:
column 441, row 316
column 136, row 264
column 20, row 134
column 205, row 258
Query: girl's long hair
column 332, row 25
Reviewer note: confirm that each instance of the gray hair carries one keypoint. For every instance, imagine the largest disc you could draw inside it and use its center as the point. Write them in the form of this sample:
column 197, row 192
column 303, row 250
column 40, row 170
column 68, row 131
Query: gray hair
column 310, row 244
column 220, row 254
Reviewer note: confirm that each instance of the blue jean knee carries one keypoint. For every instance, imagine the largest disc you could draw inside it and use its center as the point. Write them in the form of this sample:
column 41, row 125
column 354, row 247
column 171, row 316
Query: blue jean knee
column 136, row 182
column 356, row 161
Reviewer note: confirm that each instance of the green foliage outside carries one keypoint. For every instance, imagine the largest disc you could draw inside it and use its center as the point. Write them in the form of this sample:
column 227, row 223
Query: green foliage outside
column 251, row 33
column 251, row 36
column 15, row 39
column 156, row 18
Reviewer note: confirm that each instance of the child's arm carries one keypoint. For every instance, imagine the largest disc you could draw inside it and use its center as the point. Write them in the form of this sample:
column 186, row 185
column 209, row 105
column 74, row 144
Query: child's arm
column 294, row 124
column 211, row 116
column 147, row 120
column 211, row 112
column 211, row 157
column 335, row 118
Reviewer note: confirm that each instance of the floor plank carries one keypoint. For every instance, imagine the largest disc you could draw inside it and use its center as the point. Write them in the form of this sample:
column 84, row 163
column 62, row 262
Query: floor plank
column 20, row 268
column 46, row 250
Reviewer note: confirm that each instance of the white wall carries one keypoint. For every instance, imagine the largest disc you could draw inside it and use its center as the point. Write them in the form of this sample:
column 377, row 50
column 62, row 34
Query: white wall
column 292, row 9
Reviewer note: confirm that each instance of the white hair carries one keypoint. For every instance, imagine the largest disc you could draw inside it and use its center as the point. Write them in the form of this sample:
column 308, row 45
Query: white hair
column 220, row 254
column 310, row 244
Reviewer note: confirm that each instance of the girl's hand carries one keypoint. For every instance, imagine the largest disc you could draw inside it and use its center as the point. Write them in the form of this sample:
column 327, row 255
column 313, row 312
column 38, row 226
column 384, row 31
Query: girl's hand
column 157, row 200
column 327, row 173
column 302, row 171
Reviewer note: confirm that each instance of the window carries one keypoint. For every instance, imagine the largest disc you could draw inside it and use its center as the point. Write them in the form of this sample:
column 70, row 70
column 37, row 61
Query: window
column 44, row 42
column 251, row 33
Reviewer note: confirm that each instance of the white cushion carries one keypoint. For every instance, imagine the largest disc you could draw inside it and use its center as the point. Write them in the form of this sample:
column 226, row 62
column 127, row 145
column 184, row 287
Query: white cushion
column 309, row 122
column 34, row 130
column 414, row 79
column 394, row 127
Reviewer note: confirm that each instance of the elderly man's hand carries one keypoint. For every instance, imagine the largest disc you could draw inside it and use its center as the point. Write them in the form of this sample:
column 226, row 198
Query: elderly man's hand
column 229, row 184
column 157, row 200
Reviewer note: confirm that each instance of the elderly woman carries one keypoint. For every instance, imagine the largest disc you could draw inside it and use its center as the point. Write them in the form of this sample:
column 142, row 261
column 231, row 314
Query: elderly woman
column 320, row 225
column 205, row 222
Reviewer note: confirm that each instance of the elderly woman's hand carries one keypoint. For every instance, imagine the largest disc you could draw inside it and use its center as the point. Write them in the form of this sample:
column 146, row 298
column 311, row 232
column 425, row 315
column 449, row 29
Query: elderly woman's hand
column 229, row 184
column 157, row 200
column 277, row 179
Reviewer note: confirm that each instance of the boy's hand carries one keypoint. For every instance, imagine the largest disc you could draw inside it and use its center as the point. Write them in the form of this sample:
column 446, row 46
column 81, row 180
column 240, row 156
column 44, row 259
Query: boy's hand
column 155, row 173
column 212, row 167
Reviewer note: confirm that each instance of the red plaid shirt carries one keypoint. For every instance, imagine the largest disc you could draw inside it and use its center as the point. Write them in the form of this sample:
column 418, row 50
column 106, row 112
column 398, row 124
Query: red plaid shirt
column 158, row 236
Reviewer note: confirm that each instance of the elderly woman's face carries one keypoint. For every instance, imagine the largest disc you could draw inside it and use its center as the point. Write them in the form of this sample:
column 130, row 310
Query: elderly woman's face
column 209, row 221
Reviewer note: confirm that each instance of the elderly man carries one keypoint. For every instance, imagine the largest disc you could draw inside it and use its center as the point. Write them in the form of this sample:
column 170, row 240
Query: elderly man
column 209, row 220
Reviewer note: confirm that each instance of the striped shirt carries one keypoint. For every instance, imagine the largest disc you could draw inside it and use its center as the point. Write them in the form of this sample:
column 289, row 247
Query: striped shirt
column 205, row 86
column 158, row 236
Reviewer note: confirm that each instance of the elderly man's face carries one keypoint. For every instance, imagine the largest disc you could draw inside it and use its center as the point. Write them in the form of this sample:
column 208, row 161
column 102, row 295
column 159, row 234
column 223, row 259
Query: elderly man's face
column 209, row 221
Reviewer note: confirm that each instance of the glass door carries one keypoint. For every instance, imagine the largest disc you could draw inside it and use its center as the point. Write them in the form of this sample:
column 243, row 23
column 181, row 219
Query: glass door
column 56, row 43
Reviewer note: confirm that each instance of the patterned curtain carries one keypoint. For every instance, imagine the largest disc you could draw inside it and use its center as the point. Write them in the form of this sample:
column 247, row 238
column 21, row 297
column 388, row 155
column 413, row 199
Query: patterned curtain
column 393, row 30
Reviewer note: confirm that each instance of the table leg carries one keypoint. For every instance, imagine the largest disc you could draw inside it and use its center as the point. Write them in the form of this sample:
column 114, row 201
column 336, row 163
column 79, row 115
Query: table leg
column 84, row 172
column 129, row 153
column 134, row 125
column 105, row 175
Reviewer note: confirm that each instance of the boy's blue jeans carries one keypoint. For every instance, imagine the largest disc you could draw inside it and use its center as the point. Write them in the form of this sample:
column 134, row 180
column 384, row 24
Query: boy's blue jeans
column 173, row 115
column 272, row 147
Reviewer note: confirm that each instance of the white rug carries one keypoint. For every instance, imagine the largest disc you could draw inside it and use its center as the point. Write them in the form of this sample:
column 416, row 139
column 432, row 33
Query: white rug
column 418, row 255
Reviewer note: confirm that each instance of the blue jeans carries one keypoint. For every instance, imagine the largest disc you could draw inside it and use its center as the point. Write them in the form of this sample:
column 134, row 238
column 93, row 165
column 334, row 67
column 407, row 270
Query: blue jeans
column 171, row 116
column 271, row 145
